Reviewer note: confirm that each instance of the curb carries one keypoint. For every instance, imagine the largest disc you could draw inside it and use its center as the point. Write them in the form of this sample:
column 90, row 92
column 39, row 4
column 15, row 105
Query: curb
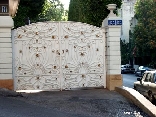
column 138, row 99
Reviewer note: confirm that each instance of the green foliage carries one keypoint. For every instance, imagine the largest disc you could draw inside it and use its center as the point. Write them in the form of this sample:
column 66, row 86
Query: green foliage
column 125, row 55
column 128, row 50
column 28, row 8
column 39, row 10
column 90, row 11
column 53, row 11
column 144, row 34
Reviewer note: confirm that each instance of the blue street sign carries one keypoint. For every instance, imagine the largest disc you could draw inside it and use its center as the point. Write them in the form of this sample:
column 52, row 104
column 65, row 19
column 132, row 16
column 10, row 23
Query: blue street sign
column 111, row 22
column 118, row 22
column 114, row 22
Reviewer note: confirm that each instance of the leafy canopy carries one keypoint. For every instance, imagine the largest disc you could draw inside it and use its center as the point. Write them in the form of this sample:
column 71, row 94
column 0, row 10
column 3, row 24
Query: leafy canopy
column 53, row 11
column 125, row 55
column 90, row 11
column 28, row 8
column 39, row 10
column 144, row 34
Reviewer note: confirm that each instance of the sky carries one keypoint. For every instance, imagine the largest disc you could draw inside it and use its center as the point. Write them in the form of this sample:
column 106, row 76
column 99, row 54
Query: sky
column 65, row 3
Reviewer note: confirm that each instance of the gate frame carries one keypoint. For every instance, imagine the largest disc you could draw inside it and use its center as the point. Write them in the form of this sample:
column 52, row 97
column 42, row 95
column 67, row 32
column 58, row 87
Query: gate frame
column 98, row 35
column 112, row 25
column 113, row 65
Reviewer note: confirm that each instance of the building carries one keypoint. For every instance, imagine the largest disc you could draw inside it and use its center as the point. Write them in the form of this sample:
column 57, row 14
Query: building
column 8, row 9
column 133, row 23
column 4, row 8
column 126, row 13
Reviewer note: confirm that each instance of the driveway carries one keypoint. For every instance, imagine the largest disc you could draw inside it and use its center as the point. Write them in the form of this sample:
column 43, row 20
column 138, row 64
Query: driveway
column 80, row 103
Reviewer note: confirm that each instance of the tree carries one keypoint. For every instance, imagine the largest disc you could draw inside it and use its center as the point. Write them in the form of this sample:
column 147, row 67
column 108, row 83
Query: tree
column 125, row 55
column 90, row 11
column 53, row 10
column 144, row 34
column 39, row 10
column 28, row 8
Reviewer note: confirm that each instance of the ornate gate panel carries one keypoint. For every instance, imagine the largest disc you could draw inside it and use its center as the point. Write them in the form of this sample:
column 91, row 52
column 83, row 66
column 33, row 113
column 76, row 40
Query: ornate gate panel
column 83, row 55
column 37, row 59
column 58, row 55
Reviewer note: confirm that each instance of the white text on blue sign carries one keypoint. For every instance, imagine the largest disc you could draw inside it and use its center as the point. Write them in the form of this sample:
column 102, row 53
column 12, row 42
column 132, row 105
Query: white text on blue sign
column 114, row 22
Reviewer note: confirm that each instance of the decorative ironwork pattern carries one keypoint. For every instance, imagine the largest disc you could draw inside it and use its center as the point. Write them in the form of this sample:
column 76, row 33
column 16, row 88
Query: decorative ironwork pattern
column 58, row 55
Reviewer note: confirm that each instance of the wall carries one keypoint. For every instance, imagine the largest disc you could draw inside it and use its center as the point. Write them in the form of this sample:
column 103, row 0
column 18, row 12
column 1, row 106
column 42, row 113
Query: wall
column 112, row 25
column 6, row 81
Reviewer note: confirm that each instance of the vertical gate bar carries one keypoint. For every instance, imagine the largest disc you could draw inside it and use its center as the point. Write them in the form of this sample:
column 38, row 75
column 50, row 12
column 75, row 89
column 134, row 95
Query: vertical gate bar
column 13, row 59
column 59, row 35
column 104, row 55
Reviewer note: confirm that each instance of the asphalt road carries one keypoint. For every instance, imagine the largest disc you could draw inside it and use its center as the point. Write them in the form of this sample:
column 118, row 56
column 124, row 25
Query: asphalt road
column 15, row 108
column 129, row 79
column 80, row 103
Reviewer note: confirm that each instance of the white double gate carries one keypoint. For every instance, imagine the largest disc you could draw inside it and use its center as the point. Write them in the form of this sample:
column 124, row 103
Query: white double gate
column 58, row 55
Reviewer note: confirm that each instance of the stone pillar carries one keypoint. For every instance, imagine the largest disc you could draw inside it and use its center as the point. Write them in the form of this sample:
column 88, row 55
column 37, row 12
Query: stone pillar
column 112, row 25
column 6, row 79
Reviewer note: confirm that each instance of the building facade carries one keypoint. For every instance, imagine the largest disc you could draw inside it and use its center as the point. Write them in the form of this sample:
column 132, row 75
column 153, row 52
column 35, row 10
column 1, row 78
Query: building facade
column 126, row 13
column 8, row 9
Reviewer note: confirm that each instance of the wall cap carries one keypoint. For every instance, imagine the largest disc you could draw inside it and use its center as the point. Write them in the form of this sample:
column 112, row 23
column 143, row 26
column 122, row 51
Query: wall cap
column 6, row 22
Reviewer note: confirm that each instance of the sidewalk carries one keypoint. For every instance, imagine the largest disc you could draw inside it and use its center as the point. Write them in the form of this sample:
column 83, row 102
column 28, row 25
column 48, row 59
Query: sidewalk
column 138, row 99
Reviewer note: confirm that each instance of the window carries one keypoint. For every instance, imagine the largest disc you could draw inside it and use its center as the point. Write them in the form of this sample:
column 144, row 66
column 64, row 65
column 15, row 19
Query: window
column 144, row 76
column 154, row 78
column 148, row 78
column 4, row 9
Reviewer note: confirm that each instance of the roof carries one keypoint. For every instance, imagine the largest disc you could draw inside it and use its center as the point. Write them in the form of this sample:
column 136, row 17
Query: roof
column 153, row 71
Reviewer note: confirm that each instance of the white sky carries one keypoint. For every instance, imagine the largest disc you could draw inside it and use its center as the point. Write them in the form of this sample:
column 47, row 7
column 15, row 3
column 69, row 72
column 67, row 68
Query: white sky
column 65, row 3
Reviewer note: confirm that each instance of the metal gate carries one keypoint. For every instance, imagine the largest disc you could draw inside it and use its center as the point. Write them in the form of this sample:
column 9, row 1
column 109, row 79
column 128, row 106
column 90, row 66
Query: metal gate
column 58, row 55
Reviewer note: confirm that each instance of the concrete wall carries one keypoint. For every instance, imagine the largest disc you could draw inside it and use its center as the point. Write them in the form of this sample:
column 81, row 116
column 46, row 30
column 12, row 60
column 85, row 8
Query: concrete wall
column 113, row 54
column 6, row 24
